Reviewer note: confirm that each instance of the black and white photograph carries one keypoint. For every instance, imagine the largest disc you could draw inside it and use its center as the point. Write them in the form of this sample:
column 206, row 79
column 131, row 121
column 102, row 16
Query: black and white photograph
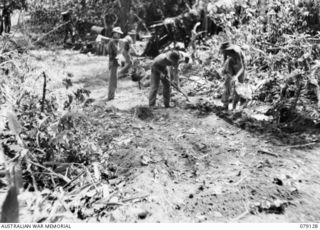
column 159, row 111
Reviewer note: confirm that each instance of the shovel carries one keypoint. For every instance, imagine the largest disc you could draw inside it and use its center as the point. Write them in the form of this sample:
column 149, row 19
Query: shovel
column 177, row 88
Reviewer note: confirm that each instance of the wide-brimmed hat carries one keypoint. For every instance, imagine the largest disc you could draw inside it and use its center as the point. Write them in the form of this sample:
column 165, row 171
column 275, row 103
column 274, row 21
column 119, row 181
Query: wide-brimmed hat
column 225, row 45
column 69, row 11
column 173, row 56
column 117, row 30
column 228, row 46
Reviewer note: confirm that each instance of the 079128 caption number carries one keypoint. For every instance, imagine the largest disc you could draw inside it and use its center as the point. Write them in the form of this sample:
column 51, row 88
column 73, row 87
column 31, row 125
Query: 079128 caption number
column 309, row 226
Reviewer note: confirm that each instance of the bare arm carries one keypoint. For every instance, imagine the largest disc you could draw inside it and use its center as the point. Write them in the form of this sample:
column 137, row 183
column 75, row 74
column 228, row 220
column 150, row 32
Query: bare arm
column 133, row 51
column 101, row 38
column 242, row 70
column 174, row 77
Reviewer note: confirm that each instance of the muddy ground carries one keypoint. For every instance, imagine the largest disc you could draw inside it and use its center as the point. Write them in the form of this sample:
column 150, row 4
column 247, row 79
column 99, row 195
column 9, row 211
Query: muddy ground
column 179, row 167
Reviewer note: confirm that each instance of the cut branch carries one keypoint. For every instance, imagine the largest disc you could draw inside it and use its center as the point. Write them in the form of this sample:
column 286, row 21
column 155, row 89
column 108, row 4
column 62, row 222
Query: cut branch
column 44, row 91
column 51, row 31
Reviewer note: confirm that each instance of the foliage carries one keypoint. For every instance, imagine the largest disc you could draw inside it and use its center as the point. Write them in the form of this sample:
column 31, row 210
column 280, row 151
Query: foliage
column 47, row 15
column 15, row 4
column 43, row 136
column 58, row 145
column 277, row 45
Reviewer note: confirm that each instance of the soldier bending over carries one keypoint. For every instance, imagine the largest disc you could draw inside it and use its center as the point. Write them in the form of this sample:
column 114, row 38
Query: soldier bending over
column 160, row 72
column 234, row 71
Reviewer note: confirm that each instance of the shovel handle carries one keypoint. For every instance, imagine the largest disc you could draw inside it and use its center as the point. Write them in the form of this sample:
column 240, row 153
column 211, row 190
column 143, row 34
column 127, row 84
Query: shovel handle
column 176, row 87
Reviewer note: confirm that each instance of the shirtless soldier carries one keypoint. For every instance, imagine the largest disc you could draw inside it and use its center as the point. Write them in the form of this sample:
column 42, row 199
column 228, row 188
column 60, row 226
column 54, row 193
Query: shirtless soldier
column 159, row 71
column 234, row 71
column 127, row 51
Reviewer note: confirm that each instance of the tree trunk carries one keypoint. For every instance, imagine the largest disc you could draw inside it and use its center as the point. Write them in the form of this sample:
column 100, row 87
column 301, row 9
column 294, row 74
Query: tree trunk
column 125, row 6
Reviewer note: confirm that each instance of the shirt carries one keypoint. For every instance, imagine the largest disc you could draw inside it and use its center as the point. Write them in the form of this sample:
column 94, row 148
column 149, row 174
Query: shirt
column 113, row 50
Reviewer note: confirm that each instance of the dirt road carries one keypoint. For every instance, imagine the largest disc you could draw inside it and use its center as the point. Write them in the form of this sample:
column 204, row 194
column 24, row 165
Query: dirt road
column 182, row 168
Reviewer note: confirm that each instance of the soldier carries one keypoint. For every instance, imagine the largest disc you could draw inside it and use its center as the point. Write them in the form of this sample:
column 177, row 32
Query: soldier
column 127, row 51
column 5, row 20
column 234, row 71
column 114, row 51
column 159, row 72
column 67, row 18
